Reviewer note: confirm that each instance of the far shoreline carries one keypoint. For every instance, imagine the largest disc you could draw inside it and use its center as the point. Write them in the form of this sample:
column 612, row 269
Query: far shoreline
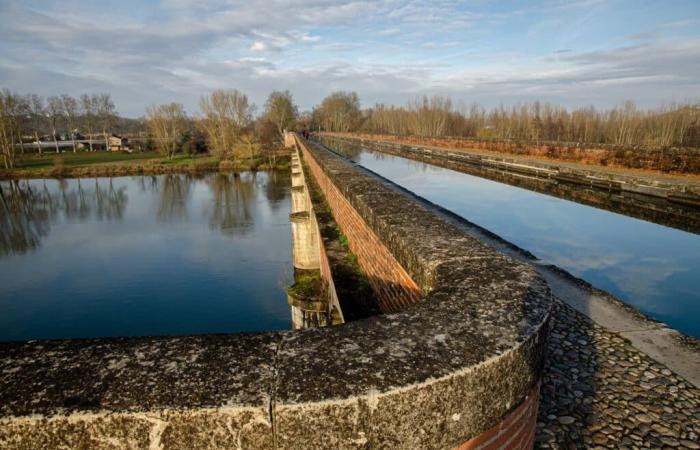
column 140, row 165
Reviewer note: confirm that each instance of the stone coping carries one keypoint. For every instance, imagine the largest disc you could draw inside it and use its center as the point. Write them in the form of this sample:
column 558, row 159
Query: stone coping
column 434, row 375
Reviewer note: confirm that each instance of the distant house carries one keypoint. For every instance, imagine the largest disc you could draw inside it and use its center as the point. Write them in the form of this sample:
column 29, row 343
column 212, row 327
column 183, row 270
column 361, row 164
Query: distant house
column 117, row 143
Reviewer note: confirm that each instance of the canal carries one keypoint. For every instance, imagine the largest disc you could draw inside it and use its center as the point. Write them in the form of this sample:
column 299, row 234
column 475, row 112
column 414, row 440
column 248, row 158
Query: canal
column 151, row 255
column 651, row 267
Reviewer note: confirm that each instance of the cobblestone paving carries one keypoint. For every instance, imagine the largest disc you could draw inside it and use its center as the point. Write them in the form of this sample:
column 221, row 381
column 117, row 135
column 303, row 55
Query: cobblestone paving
column 598, row 391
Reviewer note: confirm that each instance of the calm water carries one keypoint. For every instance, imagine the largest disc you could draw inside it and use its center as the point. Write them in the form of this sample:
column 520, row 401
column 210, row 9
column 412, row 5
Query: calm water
column 132, row 256
column 654, row 268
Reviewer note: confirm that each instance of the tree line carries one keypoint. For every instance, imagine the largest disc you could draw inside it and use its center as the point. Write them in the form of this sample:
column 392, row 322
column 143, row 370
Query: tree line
column 436, row 116
column 32, row 116
column 226, row 126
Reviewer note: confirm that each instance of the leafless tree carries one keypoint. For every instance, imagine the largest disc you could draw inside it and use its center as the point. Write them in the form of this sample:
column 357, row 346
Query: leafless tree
column 281, row 110
column 88, row 115
column 167, row 123
column 226, row 117
column 70, row 112
column 36, row 109
column 54, row 111
column 340, row 111
column 10, row 131
column 625, row 125
column 104, row 107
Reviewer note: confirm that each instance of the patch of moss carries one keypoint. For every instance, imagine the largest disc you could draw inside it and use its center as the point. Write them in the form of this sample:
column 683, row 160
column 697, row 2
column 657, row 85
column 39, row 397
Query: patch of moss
column 307, row 284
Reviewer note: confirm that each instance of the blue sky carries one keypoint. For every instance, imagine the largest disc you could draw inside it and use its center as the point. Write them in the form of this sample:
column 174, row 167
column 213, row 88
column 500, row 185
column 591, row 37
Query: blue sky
column 570, row 52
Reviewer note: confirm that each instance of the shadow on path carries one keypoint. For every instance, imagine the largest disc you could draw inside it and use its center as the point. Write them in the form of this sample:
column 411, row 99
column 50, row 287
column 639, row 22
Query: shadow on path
column 598, row 391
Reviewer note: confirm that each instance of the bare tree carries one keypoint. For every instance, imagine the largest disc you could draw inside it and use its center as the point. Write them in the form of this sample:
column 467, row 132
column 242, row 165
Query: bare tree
column 36, row 109
column 10, row 109
column 70, row 112
column 226, row 116
column 104, row 107
column 340, row 111
column 88, row 115
column 54, row 111
column 281, row 110
column 167, row 123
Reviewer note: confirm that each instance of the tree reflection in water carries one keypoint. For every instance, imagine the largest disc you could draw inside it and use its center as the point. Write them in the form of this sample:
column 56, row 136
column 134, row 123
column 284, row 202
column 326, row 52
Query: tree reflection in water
column 24, row 219
column 174, row 195
column 233, row 203
column 277, row 188
column 29, row 208
column 27, row 211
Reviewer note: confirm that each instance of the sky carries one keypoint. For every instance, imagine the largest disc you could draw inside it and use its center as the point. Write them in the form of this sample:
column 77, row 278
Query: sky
column 142, row 52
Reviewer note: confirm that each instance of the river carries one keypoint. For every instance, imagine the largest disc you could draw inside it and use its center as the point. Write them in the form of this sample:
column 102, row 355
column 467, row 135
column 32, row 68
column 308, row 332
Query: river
column 151, row 255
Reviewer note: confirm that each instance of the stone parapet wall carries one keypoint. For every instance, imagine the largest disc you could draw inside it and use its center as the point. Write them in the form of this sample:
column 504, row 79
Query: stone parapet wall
column 392, row 285
column 460, row 363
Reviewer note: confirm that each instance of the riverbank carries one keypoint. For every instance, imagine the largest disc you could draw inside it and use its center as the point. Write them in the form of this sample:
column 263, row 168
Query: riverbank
column 110, row 164
column 667, row 164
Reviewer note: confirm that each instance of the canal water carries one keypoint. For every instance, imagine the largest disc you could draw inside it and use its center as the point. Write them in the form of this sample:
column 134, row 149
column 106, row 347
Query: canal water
column 652, row 267
column 153, row 255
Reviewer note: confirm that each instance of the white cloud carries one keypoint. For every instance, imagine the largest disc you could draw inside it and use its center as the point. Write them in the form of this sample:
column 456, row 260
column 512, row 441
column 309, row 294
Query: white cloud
column 185, row 48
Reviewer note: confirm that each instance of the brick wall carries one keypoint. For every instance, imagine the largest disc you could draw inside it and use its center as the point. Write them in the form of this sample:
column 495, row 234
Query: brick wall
column 392, row 285
column 516, row 431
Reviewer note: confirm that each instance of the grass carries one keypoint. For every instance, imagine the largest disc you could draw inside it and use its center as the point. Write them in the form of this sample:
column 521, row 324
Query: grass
column 88, row 164
column 78, row 159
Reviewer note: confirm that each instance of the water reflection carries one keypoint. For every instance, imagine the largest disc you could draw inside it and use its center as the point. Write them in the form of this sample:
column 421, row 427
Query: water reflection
column 174, row 195
column 232, row 203
column 29, row 209
column 144, row 255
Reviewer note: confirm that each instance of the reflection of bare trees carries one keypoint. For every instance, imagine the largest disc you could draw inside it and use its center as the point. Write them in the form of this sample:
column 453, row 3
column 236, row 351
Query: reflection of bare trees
column 148, row 183
column 277, row 188
column 24, row 219
column 174, row 194
column 233, row 203
column 109, row 202
column 27, row 211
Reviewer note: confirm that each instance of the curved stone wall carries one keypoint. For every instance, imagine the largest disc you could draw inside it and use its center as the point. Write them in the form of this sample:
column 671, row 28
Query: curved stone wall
column 457, row 364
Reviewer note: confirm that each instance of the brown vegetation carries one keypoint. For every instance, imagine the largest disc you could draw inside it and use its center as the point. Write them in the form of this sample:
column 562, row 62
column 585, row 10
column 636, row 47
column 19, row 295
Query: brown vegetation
column 669, row 160
column 665, row 139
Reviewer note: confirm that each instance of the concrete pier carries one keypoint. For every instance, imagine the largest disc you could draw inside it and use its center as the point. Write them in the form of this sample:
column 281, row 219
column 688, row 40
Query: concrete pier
column 304, row 241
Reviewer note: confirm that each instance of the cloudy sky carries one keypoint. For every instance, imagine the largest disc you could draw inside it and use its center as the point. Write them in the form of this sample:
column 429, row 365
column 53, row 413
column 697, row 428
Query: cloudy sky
column 572, row 52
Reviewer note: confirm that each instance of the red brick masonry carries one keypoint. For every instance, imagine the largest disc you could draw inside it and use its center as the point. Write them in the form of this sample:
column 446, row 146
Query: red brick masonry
column 516, row 431
column 395, row 289
column 393, row 286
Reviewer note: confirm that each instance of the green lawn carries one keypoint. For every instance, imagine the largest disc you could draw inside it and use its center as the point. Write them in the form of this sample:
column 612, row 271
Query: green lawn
column 71, row 159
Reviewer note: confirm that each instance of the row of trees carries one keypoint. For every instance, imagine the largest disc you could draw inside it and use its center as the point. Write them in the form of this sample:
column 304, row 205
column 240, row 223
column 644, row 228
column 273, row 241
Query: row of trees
column 227, row 123
column 23, row 116
column 625, row 125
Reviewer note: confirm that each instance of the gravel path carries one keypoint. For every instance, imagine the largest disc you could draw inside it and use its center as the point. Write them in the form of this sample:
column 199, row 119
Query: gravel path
column 599, row 391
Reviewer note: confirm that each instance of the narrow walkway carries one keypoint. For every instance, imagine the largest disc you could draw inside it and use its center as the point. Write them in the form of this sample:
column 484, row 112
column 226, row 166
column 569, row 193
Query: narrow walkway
column 599, row 391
